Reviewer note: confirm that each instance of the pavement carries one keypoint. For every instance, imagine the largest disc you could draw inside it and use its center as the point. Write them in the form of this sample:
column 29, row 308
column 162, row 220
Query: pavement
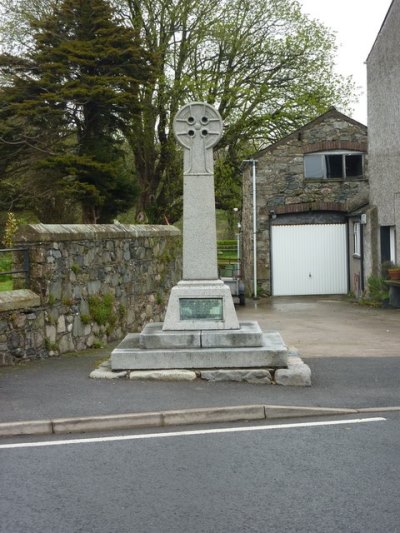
column 353, row 352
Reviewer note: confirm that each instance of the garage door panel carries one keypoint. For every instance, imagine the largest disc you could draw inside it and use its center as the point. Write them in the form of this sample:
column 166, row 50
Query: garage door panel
column 309, row 259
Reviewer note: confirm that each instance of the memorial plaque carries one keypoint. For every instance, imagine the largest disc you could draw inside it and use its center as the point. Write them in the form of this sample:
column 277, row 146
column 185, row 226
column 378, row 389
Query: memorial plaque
column 201, row 309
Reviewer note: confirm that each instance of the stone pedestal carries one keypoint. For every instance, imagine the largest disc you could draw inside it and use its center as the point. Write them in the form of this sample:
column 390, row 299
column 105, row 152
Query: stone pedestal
column 154, row 348
column 200, row 305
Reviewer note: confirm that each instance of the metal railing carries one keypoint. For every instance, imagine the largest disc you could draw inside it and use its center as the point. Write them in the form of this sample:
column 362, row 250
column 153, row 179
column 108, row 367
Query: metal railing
column 25, row 266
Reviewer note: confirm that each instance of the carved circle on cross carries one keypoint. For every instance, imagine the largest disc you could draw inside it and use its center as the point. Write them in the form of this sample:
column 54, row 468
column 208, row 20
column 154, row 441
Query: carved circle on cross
column 198, row 124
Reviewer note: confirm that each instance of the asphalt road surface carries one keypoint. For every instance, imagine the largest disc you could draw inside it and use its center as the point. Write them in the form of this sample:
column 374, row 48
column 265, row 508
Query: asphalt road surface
column 334, row 475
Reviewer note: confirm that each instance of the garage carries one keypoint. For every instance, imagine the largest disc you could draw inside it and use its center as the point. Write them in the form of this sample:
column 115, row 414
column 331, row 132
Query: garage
column 309, row 259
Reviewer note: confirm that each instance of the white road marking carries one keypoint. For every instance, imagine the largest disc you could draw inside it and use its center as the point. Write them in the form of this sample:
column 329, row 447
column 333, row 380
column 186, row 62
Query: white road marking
column 189, row 433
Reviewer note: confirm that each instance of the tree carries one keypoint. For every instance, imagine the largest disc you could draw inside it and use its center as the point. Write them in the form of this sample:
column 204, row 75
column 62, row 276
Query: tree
column 266, row 66
column 66, row 106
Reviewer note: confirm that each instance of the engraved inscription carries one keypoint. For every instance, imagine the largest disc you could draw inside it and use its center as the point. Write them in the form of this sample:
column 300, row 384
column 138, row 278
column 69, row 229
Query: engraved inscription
column 201, row 308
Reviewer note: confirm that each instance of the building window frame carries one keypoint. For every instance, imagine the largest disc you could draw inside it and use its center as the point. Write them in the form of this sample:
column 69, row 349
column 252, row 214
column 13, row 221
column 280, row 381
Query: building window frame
column 388, row 243
column 334, row 165
column 357, row 239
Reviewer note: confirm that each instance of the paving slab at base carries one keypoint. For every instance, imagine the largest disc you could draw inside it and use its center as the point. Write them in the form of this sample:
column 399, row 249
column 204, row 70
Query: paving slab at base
column 130, row 356
column 260, row 376
column 297, row 373
column 162, row 375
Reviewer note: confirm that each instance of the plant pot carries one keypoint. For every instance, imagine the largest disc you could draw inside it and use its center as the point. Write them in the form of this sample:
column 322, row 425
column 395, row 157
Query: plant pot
column 394, row 274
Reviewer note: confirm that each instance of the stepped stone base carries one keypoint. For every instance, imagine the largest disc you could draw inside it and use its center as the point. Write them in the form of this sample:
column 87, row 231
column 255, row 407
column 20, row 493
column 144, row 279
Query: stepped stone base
column 153, row 337
column 297, row 374
column 246, row 347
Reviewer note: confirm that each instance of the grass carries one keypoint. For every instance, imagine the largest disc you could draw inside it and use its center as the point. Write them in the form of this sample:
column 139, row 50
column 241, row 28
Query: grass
column 227, row 251
column 227, row 258
column 6, row 282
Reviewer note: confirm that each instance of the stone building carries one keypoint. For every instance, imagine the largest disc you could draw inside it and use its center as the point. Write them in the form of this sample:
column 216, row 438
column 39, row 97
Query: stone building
column 383, row 79
column 311, row 195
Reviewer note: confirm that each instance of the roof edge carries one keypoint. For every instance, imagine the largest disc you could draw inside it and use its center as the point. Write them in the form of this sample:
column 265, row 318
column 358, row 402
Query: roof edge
column 332, row 111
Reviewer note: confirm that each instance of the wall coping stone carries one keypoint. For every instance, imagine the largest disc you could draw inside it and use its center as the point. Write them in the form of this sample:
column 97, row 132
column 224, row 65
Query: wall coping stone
column 18, row 299
column 76, row 232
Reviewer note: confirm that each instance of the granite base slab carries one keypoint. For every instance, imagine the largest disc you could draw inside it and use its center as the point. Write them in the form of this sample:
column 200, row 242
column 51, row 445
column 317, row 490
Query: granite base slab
column 153, row 337
column 130, row 355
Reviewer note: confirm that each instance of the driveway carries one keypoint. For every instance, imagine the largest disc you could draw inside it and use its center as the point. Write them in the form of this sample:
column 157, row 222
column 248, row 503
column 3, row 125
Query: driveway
column 328, row 326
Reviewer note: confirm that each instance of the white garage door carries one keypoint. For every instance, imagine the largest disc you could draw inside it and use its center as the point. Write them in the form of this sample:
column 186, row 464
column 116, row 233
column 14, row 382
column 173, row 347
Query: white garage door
column 309, row 259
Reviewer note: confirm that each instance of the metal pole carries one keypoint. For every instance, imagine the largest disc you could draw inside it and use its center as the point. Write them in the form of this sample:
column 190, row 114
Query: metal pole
column 254, row 231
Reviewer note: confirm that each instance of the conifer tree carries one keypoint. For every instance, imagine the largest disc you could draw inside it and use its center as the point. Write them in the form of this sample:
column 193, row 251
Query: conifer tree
column 65, row 108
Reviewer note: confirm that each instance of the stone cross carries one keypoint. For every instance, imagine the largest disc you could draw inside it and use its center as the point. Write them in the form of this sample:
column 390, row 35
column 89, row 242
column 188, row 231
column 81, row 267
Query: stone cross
column 200, row 301
column 198, row 128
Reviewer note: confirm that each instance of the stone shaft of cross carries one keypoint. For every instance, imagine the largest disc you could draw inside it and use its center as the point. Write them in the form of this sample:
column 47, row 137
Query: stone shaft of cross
column 198, row 128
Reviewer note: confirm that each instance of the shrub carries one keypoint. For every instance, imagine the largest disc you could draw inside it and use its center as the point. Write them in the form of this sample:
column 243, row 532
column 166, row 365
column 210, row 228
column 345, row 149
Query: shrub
column 101, row 309
column 378, row 291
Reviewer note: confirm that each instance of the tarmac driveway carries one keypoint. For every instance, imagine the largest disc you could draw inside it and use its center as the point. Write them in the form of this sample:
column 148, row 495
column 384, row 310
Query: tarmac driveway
column 328, row 326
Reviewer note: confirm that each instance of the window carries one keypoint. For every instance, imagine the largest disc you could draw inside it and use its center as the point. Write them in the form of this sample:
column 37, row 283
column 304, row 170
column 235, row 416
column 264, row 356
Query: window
column 357, row 239
column 331, row 165
column 388, row 244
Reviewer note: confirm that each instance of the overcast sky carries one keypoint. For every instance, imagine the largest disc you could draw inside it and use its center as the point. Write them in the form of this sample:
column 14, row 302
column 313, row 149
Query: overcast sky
column 356, row 23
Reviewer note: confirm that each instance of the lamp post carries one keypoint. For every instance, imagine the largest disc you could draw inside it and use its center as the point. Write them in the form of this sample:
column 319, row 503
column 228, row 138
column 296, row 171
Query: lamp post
column 254, row 162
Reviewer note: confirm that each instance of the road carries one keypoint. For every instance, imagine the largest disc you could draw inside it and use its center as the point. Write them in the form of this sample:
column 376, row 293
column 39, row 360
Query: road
column 333, row 475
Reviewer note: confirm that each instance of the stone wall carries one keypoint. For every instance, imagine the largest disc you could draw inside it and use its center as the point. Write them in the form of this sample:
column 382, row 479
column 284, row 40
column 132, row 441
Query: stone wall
column 284, row 195
column 92, row 285
column 383, row 78
column 22, row 326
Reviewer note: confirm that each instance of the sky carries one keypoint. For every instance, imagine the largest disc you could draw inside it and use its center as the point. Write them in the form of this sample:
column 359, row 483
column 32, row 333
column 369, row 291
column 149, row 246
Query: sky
column 356, row 24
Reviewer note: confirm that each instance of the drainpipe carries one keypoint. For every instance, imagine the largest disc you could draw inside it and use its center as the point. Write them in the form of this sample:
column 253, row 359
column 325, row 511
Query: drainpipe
column 362, row 268
column 254, row 162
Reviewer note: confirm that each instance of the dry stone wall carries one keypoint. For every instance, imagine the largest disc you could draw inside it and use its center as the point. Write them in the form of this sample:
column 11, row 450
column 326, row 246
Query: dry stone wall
column 93, row 284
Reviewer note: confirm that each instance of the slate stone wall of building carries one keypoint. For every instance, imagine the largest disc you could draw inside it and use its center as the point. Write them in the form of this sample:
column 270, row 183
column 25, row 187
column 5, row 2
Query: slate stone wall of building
column 284, row 195
column 94, row 283
column 383, row 78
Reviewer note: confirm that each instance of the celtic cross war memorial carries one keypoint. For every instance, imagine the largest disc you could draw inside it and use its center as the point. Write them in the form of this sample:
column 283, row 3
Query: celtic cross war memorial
column 201, row 329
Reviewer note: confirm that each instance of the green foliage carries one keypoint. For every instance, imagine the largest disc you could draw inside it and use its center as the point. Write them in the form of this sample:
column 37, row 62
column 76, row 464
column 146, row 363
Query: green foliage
column 51, row 346
column 6, row 283
column 86, row 319
column 75, row 268
column 227, row 251
column 97, row 344
column 101, row 309
column 122, row 312
column 10, row 229
column 66, row 104
column 377, row 293
column 264, row 65
column 228, row 190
